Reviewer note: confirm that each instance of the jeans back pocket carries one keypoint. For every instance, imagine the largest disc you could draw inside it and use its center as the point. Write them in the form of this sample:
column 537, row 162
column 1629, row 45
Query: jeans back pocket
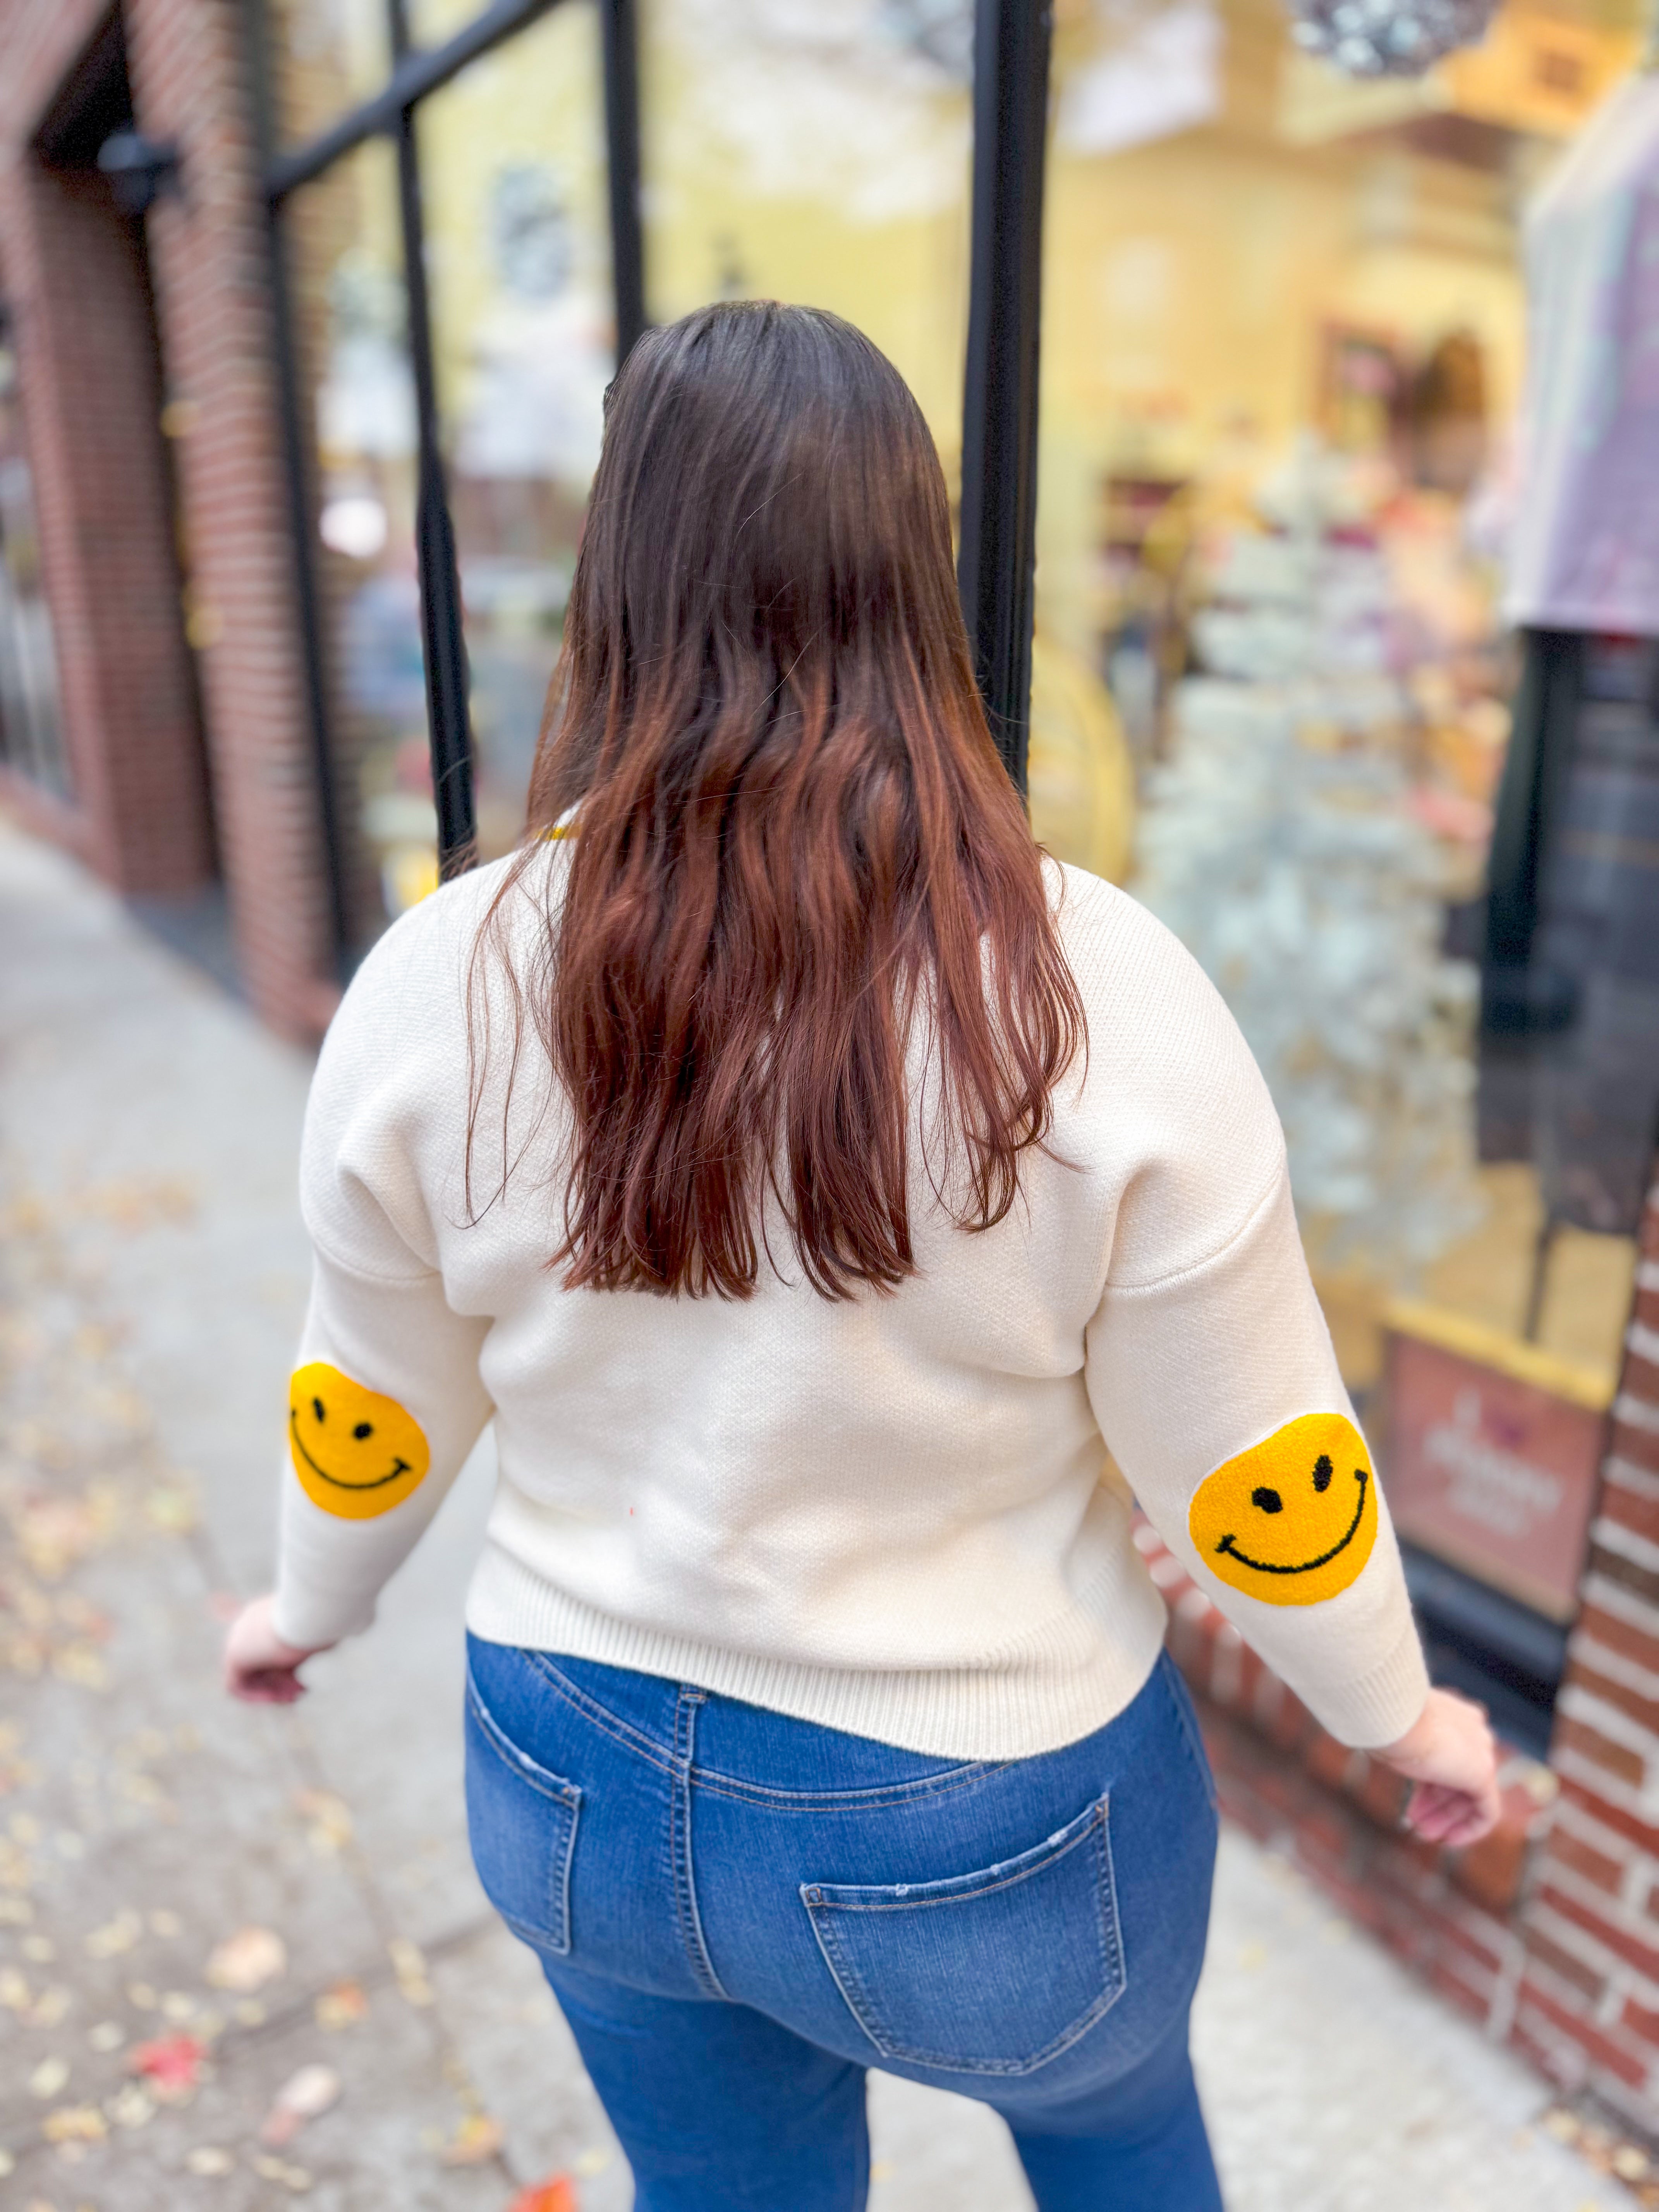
column 993, row 1972
column 522, row 1822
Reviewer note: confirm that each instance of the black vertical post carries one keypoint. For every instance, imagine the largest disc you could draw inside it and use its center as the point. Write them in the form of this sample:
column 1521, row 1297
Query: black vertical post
column 442, row 640
column 997, row 552
column 296, row 458
column 620, row 30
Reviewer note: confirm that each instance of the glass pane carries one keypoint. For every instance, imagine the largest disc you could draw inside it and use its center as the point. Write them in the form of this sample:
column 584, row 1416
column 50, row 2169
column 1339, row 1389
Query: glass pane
column 325, row 55
column 432, row 21
column 31, row 730
column 345, row 257
column 1283, row 468
column 816, row 150
column 518, row 252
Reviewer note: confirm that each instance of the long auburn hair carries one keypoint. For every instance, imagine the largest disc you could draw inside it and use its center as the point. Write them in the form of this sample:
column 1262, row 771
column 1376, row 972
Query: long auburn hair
column 793, row 839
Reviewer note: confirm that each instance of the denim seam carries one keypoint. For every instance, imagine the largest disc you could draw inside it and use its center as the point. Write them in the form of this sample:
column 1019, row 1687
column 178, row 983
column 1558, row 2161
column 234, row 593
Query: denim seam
column 877, row 1797
column 567, row 1796
column 600, row 1716
column 1191, row 1740
column 1108, row 1937
column 686, row 1880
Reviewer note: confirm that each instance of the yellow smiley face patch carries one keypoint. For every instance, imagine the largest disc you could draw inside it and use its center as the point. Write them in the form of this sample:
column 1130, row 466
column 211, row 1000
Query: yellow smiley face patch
column 356, row 1454
column 1292, row 1520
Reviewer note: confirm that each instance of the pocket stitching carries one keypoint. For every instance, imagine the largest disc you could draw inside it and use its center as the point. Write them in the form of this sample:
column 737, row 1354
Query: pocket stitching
column 519, row 1762
column 568, row 1796
column 825, row 1898
column 877, row 1797
column 1094, row 1827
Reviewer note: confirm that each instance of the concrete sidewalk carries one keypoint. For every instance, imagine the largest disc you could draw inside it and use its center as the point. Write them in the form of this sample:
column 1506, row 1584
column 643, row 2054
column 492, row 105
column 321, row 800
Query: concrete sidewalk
column 152, row 1275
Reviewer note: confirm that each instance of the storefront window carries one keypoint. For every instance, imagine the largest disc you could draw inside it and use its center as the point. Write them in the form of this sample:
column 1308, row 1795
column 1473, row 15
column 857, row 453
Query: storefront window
column 1283, row 344
column 327, row 54
column 820, row 155
column 518, row 254
column 345, row 259
column 31, row 728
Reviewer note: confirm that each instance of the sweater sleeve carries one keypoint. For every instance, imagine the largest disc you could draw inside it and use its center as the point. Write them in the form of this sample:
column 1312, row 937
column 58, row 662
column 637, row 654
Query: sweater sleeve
column 1214, row 1383
column 386, row 1400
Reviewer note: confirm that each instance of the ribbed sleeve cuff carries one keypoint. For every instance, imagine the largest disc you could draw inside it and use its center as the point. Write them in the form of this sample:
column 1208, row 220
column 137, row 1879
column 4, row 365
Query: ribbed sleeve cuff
column 309, row 1619
column 1377, row 1708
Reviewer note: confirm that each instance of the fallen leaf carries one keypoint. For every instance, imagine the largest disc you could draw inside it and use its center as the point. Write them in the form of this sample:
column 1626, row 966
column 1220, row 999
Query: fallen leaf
column 342, row 2006
column 409, row 1964
column 558, row 2195
column 75, row 2123
column 141, row 1996
column 53, row 1533
column 81, row 1663
column 327, row 1819
column 107, row 2035
column 247, row 1960
column 130, row 2106
column 304, row 2096
column 171, row 2064
column 171, row 1509
column 208, row 2159
column 1630, row 2163
column 48, row 2077
column 14, row 1991
column 474, row 2143
column 291, row 2177
column 114, row 1937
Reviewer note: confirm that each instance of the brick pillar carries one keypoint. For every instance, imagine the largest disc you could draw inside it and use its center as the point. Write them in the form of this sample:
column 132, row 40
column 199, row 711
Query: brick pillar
column 1547, row 1932
column 208, row 253
column 91, row 396
column 1589, row 2005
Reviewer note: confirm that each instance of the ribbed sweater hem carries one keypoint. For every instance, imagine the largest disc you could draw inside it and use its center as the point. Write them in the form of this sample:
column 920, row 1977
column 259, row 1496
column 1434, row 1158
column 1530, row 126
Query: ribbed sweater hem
column 1047, row 1696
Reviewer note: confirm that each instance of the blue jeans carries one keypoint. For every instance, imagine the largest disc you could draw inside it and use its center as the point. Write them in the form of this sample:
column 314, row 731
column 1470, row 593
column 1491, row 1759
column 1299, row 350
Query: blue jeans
column 739, row 1913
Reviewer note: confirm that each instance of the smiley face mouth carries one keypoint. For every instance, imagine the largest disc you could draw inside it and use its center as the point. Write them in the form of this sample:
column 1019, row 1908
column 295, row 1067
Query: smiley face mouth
column 1361, row 1475
column 379, row 1482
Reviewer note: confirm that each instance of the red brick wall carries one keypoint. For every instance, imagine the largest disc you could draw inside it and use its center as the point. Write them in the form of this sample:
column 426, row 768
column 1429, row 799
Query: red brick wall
column 207, row 251
column 1547, row 1932
column 91, row 395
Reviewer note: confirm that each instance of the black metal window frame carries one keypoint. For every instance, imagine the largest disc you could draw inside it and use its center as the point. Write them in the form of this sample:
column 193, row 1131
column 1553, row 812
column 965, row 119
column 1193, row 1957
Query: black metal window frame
column 997, row 552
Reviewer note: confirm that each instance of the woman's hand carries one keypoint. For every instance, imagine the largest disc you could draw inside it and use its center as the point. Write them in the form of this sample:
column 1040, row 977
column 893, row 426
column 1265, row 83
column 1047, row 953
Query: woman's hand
column 1450, row 1756
column 259, row 1666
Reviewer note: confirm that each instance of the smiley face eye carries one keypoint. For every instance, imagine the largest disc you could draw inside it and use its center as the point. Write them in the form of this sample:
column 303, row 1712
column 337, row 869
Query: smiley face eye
column 317, row 1408
column 1269, row 1501
column 363, row 1428
column 1322, row 1472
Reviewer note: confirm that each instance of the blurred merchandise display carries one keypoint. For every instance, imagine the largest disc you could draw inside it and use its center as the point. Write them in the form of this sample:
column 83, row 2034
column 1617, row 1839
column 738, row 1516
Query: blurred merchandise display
column 1280, row 842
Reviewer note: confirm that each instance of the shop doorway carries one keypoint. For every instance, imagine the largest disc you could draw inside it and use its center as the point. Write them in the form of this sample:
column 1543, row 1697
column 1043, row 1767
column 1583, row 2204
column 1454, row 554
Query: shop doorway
column 137, row 757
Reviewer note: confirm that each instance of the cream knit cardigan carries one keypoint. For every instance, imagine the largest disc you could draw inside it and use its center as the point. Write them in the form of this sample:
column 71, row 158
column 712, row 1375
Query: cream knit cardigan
column 895, row 1514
